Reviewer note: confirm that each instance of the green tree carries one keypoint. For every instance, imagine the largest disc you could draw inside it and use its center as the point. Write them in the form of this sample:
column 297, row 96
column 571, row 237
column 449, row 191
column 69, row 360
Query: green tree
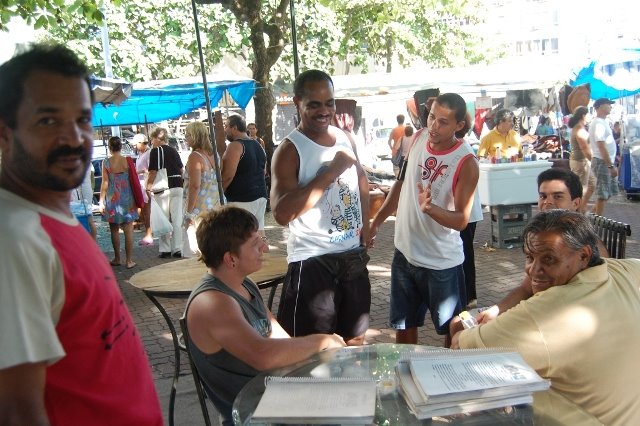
column 434, row 31
column 48, row 13
column 156, row 39
column 149, row 40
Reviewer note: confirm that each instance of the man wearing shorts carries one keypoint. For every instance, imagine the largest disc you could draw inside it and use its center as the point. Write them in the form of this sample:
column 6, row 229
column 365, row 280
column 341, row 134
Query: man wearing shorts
column 320, row 191
column 603, row 146
column 434, row 206
column 243, row 170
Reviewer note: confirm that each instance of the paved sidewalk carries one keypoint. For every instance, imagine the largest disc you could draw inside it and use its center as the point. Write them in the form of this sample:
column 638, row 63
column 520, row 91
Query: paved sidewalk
column 498, row 271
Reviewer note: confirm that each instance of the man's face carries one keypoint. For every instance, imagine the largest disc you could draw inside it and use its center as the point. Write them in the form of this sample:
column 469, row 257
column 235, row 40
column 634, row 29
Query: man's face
column 317, row 107
column 549, row 262
column 229, row 131
column 52, row 143
column 442, row 125
column 554, row 194
column 504, row 126
column 604, row 110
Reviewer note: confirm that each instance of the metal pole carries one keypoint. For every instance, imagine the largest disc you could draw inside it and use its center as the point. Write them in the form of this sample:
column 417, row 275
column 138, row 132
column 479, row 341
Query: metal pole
column 294, row 38
column 108, row 65
column 208, row 103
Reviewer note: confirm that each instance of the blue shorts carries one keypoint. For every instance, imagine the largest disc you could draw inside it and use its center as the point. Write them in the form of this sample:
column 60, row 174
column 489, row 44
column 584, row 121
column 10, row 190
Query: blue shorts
column 415, row 289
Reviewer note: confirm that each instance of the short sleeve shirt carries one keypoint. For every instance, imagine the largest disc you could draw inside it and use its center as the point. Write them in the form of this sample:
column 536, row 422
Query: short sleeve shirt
column 172, row 163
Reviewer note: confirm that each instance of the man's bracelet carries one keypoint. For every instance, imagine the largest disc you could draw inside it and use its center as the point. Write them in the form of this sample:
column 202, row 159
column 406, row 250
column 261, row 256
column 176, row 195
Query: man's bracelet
column 610, row 166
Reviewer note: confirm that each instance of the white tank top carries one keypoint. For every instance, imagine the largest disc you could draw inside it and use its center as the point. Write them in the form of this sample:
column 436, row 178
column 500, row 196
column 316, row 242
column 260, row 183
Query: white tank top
column 334, row 224
column 422, row 240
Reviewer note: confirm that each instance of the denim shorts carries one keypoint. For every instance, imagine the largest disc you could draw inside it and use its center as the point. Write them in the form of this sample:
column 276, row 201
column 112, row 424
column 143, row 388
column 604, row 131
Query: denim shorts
column 415, row 289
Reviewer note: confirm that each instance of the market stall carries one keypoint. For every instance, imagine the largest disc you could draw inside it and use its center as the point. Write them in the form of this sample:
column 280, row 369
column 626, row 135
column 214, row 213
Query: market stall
column 509, row 189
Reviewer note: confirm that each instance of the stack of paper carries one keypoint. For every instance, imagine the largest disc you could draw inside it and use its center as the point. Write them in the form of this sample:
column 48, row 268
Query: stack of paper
column 450, row 382
column 308, row 400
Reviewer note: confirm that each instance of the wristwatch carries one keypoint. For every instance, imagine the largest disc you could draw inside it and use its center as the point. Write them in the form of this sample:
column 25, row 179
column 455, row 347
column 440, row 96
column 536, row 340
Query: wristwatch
column 611, row 166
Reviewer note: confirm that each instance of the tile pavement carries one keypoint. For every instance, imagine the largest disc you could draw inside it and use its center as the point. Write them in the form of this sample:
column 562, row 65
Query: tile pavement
column 498, row 271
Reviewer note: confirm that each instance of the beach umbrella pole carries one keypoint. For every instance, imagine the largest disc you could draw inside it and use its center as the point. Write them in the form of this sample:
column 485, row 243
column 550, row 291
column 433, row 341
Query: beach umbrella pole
column 207, row 102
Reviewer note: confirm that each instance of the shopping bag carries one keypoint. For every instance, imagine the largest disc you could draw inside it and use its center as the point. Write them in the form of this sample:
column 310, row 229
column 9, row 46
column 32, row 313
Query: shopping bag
column 160, row 224
column 397, row 159
column 161, row 182
column 134, row 182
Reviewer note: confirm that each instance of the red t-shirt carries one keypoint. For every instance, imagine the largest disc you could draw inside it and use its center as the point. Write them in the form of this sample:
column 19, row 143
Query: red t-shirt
column 104, row 378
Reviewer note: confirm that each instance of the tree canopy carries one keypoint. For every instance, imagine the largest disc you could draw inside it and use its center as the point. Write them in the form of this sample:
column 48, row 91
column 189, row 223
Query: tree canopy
column 152, row 39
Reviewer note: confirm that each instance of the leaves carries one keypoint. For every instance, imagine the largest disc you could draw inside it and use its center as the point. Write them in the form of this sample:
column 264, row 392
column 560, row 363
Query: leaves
column 155, row 39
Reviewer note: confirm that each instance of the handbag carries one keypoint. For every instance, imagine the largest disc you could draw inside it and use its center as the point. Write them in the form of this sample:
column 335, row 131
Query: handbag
column 160, row 224
column 161, row 182
column 136, row 189
column 397, row 159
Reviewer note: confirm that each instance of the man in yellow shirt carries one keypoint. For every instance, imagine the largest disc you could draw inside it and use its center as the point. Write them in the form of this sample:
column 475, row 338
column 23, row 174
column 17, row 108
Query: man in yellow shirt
column 579, row 330
column 502, row 136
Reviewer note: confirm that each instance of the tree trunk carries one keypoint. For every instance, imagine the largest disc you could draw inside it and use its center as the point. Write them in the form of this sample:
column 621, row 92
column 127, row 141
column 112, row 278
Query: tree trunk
column 263, row 102
column 266, row 52
column 389, row 42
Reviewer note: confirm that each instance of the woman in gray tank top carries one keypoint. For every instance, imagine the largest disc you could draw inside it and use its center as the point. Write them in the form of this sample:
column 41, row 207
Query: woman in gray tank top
column 232, row 335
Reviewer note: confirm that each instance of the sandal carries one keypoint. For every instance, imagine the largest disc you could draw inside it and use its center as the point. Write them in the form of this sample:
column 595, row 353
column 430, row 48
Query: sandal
column 131, row 265
column 145, row 242
column 114, row 263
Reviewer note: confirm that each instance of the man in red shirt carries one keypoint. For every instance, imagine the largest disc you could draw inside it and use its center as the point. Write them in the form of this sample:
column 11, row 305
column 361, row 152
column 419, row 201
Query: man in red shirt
column 71, row 354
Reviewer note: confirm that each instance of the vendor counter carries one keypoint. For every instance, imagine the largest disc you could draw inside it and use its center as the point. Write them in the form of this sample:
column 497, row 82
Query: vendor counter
column 510, row 183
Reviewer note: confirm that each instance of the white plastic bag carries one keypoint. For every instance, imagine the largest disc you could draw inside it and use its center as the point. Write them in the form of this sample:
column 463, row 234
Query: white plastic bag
column 160, row 224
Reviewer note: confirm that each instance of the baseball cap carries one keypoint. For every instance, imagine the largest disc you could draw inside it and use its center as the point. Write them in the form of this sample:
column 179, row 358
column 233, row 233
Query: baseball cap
column 602, row 101
column 139, row 138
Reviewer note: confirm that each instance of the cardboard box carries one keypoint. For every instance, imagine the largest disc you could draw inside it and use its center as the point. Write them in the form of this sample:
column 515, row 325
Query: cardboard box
column 510, row 183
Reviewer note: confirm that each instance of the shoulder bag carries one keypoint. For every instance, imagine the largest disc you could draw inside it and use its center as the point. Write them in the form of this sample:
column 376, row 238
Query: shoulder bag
column 161, row 182
column 136, row 189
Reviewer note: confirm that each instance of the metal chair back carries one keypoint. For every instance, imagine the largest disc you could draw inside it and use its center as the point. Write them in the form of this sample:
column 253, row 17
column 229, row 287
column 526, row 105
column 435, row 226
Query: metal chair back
column 612, row 233
column 194, row 371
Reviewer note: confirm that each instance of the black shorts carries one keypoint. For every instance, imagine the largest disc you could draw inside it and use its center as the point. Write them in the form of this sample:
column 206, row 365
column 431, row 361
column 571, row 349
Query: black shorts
column 327, row 294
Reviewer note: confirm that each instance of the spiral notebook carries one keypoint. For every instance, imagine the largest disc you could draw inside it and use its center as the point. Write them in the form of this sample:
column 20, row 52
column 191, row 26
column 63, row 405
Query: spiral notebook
column 473, row 373
column 423, row 410
column 450, row 382
column 292, row 400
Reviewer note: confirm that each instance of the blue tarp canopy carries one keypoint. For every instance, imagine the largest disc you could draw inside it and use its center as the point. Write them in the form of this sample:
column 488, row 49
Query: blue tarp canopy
column 168, row 99
column 612, row 76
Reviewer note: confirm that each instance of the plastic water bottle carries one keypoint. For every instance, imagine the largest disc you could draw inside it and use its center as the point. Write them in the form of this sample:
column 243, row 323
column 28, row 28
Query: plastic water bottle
column 498, row 156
